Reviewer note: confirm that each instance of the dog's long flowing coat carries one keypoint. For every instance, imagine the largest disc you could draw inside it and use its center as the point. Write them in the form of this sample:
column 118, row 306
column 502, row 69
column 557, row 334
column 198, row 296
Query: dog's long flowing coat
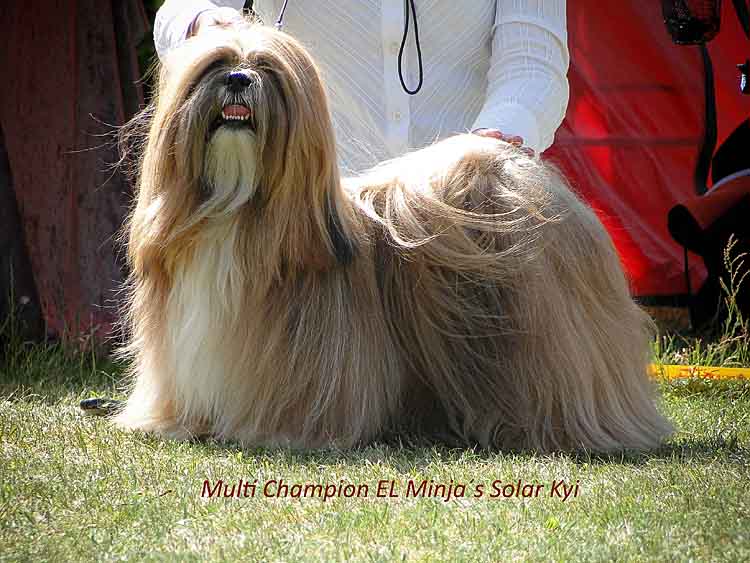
column 461, row 291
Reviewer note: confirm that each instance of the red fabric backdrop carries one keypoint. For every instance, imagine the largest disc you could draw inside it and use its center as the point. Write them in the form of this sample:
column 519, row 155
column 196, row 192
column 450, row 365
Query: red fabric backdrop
column 634, row 126
column 69, row 71
column 629, row 141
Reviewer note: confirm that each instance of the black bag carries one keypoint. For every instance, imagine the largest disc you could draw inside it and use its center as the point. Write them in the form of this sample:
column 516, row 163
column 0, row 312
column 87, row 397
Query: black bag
column 692, row 22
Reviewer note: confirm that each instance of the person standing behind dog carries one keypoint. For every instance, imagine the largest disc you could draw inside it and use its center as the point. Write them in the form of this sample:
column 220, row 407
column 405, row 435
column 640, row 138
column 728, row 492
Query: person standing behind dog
column 494, row 67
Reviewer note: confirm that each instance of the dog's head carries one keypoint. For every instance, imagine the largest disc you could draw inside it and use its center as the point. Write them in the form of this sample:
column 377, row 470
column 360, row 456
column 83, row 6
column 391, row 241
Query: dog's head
column 240, row 127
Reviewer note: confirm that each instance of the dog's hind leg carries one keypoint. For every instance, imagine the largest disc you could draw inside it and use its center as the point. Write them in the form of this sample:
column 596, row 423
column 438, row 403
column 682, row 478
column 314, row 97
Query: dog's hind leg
column 586, row 345
column 576, row 347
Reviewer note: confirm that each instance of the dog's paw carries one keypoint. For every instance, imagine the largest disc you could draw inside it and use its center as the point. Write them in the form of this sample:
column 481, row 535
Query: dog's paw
column 169, row 428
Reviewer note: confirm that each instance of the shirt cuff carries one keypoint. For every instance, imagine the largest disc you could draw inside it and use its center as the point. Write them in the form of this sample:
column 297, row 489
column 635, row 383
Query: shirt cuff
column 512, row 119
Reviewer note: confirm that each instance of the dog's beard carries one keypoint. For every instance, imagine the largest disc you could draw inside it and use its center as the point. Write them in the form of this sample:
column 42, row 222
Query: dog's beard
column 217, row 142
column 230, row 168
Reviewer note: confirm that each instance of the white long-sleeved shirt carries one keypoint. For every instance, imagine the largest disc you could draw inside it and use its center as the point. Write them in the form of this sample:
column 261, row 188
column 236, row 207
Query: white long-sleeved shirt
column 487, row 63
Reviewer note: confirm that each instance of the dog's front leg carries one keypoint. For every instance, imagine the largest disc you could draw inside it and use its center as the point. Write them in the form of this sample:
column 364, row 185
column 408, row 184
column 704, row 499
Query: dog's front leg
column 152, row 408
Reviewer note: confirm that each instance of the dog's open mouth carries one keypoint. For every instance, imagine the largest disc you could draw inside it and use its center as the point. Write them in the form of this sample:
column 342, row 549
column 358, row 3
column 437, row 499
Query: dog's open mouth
column 236, row 112
column 235, row 115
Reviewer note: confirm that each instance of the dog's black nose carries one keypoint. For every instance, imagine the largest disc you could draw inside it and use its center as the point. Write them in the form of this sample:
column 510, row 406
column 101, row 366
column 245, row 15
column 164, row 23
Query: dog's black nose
column 237, row 81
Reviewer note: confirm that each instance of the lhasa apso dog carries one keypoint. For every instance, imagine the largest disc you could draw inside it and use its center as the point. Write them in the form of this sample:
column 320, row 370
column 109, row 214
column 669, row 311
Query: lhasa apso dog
column 461, row 292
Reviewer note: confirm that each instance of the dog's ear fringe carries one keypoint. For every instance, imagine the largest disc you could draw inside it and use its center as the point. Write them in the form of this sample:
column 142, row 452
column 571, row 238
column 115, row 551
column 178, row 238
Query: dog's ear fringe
column 132, row 139
column 343, row 247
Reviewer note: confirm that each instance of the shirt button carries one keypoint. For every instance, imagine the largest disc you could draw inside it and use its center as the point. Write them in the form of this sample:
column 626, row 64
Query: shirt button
column 395, row 47
column 396, row 116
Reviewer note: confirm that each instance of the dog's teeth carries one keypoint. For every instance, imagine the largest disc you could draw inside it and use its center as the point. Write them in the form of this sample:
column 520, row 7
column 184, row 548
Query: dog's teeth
column 229, row 117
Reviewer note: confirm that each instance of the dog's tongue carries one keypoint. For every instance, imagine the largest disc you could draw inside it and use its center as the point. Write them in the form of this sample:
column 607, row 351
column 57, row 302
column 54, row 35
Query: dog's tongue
column 236, row 111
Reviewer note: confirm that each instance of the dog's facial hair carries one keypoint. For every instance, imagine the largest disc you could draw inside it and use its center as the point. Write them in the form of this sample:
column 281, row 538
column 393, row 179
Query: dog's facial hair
column 230, row 169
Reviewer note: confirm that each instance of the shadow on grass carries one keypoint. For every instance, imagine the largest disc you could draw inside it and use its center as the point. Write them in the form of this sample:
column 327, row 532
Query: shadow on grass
column 51, row 374
column 724, row 446
column 418, row 454
column 52, row 371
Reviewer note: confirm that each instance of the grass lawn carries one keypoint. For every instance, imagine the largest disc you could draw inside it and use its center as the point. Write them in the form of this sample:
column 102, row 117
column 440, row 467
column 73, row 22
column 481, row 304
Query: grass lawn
column 74, row 488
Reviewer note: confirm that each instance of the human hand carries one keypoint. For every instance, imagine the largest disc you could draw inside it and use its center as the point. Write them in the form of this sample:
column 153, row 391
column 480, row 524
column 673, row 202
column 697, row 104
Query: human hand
column 211, row 19
column 514, row 140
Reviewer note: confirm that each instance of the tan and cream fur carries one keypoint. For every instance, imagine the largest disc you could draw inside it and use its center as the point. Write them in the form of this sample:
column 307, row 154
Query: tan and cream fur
column 461, row 292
